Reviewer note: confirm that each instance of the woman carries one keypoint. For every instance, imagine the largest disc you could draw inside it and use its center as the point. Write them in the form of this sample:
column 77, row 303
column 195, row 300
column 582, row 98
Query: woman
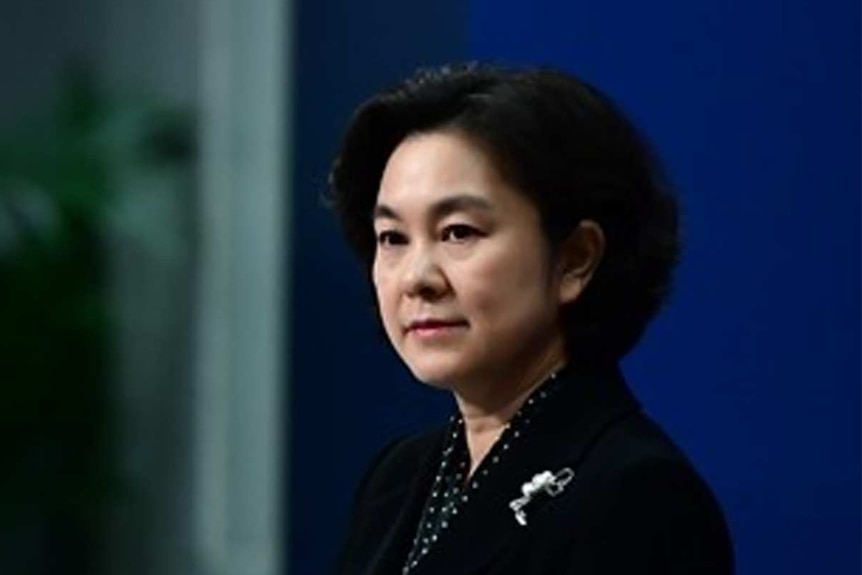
column 519, row 237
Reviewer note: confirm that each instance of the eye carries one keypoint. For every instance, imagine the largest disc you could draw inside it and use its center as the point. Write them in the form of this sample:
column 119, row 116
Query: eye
column 459, row 233
column 391, row 238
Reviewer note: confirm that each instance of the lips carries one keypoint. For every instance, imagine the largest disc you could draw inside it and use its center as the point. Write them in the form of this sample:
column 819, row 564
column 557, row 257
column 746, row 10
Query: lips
column 432, row 325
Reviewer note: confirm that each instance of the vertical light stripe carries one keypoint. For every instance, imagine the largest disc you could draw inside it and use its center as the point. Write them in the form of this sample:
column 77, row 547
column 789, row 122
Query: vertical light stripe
column 241, row 336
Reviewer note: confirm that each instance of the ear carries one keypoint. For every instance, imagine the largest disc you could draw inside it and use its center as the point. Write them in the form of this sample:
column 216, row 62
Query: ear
column 578, row 259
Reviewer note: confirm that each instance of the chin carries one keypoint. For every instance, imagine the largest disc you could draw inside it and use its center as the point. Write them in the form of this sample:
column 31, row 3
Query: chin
column 435, row 372
column 432, row 375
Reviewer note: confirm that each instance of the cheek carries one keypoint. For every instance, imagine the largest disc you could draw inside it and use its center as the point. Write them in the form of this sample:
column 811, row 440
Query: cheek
column 378, row 282
column 505, row 289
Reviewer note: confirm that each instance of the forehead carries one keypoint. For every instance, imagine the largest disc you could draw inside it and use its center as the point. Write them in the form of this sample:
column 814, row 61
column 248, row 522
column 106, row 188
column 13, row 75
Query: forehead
column 424, row 168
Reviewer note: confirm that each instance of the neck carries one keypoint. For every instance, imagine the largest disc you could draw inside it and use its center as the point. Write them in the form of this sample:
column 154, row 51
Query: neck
column 488, row 409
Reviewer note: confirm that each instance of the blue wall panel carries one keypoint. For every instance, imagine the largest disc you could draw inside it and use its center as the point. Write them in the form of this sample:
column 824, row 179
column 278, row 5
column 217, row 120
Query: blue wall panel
column 755, row 366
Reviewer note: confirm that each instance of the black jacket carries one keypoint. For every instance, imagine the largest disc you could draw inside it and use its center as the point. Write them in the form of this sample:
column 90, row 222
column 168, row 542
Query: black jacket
column 636, row 504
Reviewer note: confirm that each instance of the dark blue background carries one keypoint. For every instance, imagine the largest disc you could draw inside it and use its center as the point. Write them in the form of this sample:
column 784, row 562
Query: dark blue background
column 755, row 366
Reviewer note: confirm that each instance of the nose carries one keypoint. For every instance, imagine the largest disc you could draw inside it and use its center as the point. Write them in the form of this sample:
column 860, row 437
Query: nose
column 422, row 275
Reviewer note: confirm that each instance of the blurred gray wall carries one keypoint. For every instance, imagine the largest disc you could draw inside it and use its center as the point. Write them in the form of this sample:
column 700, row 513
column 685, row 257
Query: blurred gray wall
column 197, row 265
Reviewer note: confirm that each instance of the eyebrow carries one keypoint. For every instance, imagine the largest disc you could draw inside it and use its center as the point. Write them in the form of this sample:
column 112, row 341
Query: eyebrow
column 442, row 208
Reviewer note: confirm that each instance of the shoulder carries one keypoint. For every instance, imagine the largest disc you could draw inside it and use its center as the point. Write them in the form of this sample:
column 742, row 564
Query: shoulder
column 632, row 444
column 635, row 467
column 397, row 462
column 642, row 494
column 381, row 493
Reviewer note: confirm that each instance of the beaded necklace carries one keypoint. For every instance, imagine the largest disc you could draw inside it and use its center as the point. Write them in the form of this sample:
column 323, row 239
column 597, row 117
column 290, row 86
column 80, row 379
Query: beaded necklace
column 449, row 492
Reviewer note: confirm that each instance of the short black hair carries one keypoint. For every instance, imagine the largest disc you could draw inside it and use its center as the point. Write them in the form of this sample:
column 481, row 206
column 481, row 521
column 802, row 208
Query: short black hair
column 568, row 148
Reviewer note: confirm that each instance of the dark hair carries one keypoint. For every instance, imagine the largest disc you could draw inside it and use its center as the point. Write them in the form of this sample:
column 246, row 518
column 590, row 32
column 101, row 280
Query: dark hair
column 568, row 148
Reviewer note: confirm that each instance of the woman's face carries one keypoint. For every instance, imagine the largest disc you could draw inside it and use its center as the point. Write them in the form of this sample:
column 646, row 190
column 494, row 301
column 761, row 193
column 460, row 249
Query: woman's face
column 462, row 271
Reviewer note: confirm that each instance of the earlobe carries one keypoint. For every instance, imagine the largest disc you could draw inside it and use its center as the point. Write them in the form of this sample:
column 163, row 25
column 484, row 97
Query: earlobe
column 579, row 257
column 570, row 288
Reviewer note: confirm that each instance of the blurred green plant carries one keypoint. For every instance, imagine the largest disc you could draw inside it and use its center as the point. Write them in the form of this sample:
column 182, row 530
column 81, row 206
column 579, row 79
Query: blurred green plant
column 58, row 183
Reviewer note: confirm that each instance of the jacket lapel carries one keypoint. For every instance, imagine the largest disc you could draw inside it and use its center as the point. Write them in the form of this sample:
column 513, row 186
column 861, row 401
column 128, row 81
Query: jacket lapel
column 585, row 405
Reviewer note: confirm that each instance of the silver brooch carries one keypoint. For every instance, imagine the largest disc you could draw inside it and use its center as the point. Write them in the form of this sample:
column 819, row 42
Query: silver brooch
column 547, row 482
